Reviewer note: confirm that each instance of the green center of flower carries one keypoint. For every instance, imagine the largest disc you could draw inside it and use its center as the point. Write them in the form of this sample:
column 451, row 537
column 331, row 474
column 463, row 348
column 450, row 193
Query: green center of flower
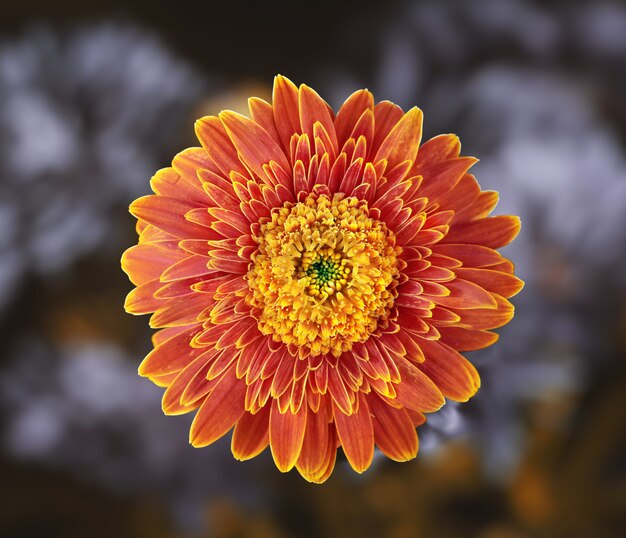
column 325, row 272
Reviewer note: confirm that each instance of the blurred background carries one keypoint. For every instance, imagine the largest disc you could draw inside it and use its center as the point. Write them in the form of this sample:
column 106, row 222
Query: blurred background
column 95, row 97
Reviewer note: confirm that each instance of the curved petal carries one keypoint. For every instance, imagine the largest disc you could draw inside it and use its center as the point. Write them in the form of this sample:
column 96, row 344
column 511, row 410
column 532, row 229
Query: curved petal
column 356, row 434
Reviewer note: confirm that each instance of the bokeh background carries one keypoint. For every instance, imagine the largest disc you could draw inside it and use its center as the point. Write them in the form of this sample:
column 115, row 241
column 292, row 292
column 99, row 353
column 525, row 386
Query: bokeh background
column 95, row 97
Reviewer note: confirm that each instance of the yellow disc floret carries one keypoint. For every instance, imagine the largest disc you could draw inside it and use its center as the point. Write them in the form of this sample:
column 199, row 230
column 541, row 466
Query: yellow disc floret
column 324, row 274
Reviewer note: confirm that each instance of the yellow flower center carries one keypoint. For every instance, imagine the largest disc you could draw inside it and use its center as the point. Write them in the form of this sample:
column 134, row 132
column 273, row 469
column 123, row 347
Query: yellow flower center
column 324, row 274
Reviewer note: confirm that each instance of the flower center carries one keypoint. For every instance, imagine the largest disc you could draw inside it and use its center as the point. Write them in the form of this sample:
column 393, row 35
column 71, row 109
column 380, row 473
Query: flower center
column 324, row 274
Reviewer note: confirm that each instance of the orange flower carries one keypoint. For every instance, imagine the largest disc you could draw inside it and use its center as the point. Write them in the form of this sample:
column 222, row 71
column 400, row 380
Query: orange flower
column 315, row 276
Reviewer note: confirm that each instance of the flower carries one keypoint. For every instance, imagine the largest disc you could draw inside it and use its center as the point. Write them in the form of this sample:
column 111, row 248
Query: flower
column 314, row 278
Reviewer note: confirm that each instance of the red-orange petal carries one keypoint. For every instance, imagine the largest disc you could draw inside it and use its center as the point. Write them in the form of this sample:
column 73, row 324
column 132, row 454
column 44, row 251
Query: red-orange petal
column 416, row 390
column 287, row 435
column 467, row 339
column 493, row 232
column 503, row 284
column 403, row 141
column 356, row 434
column 255, row 146
column 168, row 214
column 172, row 355
column 350, row 112
column 313, row 456
column 251, row 434
column 452, row 373
column 394, row 431
column 286, row 111
column 220, row 410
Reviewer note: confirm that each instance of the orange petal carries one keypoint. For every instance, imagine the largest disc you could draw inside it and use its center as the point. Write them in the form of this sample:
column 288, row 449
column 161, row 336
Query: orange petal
column 350, row 112
column 416, row 390
column 168, row 214
column 187, row 268
column 437, row 149
column 261, row 112
column 470, row 255
column 386, row 116
column 172, row 355
column 141, row 300
column 356, row 434
column 286, row 111
column 190, row 160
column 451, row 372
column 441, row 178
column 394, row 431
column 467, row 339
column 179, row 312
column 487, row 319
column 251, row 435
column 402, row 143
column 215, row 140
column 479, row 208
column 167, row 182
column 220, row 410
column 493, row 281
column 314, row 109
column 315, row 445
column 494, row 232
column 171, row 403
column 147, row 261
column 254, row 145
column 464, row 295
column 287, row 435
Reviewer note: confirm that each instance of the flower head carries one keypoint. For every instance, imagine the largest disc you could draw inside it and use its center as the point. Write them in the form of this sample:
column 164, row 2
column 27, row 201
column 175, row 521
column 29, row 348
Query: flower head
column 314, row 278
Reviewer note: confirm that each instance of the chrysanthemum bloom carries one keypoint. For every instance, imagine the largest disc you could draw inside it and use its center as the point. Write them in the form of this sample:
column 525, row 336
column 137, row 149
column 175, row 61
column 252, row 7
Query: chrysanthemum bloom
column 315, row 276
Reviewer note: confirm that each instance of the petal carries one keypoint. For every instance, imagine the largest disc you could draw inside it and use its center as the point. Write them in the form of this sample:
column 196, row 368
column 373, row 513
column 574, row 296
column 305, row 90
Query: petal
column 168, row 214
column 314, row 109
column 251, row 435
column 167, row 182
column 179, row 312
column 187, row 268
column 261, row 112
column 386, row 116
column 437, row 149
column 453, row 374
column 493, row 281
column 215, row 140
column 402, row 143
column 416, row 390
column 287, row 435
column 141, row 300
column 356, row 434
column 467, row 339
column 171, row 402
column 315, row 446
column 470, row 255
column 220, row 410
column 394, row 431
column 350, row 112
column 190, row 160
column 494, row 232
column 147, row 261
column 487, row 318
column 254, row 145
column 466, row 295
column 172, row 355
column 286, row 111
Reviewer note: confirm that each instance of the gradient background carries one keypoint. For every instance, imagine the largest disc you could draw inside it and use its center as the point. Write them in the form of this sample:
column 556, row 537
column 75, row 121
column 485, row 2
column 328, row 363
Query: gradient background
column 95, row 97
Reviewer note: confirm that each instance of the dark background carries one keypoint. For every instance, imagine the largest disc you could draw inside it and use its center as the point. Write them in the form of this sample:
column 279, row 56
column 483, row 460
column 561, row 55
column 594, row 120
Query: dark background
column 95, row 97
